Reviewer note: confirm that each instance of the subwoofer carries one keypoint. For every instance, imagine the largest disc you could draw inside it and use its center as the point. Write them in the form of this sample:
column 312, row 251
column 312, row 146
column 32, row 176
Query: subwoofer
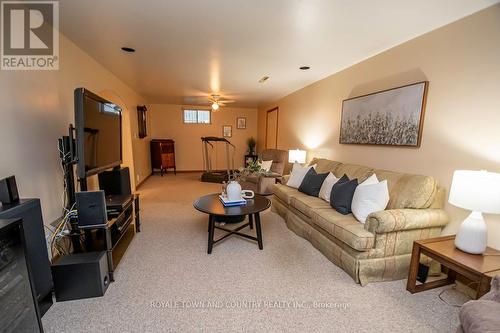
column 115, row 182
column 81, row 275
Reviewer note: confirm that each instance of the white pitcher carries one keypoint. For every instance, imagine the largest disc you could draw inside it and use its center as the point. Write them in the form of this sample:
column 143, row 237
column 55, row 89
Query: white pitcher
column 234, row 192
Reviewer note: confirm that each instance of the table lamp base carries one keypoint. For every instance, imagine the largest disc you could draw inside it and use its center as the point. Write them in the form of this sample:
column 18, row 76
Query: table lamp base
column 472, row 236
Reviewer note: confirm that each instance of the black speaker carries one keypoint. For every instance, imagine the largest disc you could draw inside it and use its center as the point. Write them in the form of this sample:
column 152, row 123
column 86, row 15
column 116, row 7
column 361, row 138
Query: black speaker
column 8, row 191
column 81, row 275
column 423, row 272
column 115, row 182
column 91, row 207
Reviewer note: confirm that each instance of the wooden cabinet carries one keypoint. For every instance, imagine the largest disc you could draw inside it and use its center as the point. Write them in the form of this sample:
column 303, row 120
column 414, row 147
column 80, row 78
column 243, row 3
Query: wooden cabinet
column 163, row 155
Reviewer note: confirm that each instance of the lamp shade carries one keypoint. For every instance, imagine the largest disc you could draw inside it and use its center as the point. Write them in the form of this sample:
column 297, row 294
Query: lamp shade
column 476, row 190
column 297, row 156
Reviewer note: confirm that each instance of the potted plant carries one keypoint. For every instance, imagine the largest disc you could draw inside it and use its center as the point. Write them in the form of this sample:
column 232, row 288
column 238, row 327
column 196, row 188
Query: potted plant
column 251, row 143
column 253, row 168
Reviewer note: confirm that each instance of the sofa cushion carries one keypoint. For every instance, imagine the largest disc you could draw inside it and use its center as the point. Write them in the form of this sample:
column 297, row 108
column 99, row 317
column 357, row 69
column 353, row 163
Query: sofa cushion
column 326, row 187
column 342, row 193
column 323, row 165
column 265, row 165
column 353, row 171
column 284, row 193
column 311, row 184
column 297, row 175
column 344, row 227
column 306, row 204
column 369, row 198
column 408, row 191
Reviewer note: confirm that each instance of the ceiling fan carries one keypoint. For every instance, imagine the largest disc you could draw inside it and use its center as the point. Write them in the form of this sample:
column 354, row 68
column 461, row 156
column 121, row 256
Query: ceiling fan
column 217, row 101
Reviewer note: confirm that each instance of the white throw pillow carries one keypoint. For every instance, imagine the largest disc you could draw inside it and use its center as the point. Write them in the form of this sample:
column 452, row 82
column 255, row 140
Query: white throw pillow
column 369, row 198
column 370, row 180
column 326, row 187
column 266, row 165
column 298, row 174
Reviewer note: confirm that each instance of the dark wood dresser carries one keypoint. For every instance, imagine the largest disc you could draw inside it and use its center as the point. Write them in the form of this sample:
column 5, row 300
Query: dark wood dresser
column 163, row 155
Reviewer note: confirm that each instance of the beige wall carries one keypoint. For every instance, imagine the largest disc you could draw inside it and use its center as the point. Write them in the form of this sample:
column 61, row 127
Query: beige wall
column 167, row 123
column 35, row 110
column 461, row 61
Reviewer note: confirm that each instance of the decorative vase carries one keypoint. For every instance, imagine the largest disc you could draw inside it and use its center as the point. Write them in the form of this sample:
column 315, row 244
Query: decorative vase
column 233, row 190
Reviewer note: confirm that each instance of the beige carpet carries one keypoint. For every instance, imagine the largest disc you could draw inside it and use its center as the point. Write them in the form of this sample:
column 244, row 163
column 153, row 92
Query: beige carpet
column 167, row 282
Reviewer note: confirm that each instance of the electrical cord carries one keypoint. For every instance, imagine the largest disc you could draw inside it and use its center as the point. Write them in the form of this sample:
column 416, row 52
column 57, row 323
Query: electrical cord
column 61, row 231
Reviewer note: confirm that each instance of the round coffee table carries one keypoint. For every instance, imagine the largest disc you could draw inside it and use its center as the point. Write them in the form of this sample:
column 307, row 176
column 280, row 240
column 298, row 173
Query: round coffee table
column 211, row 205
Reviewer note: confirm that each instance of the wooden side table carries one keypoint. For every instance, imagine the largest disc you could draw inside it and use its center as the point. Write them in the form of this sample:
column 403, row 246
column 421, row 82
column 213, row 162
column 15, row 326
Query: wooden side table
column 475, row 267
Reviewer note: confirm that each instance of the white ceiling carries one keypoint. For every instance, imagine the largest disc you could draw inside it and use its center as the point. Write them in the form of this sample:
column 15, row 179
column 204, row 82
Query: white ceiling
column 188, row 48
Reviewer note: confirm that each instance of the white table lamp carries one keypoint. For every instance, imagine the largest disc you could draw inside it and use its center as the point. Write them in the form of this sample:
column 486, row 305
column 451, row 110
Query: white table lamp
column 478, row 191
column 297, row 156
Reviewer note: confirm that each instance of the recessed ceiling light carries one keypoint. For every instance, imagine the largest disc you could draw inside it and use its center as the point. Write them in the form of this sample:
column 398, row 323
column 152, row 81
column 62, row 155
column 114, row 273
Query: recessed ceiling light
column 128, row 49
column 304, row 68
column 264, row 79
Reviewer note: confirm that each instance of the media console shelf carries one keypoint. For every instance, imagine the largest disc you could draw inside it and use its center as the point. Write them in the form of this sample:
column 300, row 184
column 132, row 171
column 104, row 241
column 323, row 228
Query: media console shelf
column 116, row 235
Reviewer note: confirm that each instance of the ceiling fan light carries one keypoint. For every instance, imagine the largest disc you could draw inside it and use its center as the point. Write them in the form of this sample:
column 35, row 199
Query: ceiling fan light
column 215, row 106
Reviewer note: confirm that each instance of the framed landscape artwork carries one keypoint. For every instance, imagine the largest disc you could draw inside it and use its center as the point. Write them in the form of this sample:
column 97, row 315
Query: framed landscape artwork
column 391, row 117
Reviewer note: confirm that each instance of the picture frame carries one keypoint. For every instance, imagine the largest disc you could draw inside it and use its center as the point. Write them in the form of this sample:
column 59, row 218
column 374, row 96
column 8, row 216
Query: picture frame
column 142, row 121
column 241, row 123
column 392, row 117
column 227, row 131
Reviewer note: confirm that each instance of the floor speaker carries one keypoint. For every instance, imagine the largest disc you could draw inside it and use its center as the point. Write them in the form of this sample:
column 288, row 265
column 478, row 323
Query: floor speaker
column 115, row 182
column 81, row 275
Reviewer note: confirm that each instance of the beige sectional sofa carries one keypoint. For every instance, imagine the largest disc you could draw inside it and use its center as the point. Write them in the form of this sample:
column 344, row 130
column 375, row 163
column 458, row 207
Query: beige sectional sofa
column 380, row 249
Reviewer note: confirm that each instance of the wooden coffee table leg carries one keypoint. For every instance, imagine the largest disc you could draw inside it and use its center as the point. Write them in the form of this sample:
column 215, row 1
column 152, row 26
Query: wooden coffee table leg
column 483, row 286
column 211, row 227
column 250, row 220
column 412, row 274
column 259, row 231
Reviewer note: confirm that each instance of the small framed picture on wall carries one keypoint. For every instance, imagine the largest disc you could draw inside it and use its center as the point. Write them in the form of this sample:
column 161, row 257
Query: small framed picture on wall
column 241, row 123
column 227, row 131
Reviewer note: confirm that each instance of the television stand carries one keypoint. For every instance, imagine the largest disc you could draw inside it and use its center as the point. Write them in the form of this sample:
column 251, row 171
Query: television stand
column 116, row 235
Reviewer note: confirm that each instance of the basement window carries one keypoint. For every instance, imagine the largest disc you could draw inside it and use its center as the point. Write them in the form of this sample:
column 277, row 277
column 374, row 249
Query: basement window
column 195, row 116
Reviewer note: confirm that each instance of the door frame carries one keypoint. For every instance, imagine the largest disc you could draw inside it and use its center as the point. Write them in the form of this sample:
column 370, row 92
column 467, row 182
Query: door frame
column 277, row 122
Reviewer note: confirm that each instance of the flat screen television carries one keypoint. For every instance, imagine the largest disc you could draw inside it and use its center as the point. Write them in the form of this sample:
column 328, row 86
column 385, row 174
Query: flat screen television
column 98, row 124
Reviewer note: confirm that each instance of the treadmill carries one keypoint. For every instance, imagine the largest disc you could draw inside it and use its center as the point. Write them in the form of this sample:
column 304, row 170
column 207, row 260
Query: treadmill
column 219, row 176
column 216, row 176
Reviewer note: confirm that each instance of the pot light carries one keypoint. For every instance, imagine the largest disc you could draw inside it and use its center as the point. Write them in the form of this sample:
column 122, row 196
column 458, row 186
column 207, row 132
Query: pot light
column 264, row 79
column 128, row 49
column 304, row 68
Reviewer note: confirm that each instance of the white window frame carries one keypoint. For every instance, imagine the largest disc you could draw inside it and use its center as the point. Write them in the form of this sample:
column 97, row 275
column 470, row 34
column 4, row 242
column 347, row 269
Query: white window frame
column 197, row 121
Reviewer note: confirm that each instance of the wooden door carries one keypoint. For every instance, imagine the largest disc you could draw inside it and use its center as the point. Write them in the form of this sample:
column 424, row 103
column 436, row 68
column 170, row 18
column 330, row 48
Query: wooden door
column 272, row 129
